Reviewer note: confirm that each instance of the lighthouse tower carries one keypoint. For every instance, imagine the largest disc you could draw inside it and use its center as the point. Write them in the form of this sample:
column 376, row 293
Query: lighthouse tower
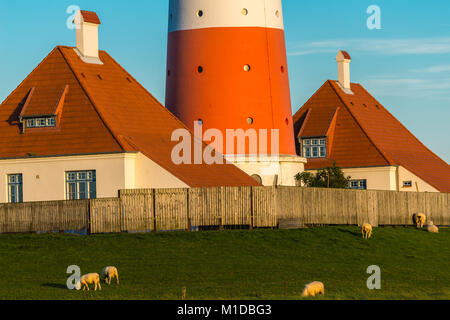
column 227, row 70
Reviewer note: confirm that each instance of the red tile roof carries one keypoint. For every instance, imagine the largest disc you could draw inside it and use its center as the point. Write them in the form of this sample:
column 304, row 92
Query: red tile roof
column 43, row 101
column 105, row 111
column 90, row 16
column 366, row 134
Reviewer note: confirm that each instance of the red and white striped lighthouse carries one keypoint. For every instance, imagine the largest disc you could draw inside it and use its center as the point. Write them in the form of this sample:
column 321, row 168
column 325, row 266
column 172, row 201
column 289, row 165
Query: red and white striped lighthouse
column 227, row 67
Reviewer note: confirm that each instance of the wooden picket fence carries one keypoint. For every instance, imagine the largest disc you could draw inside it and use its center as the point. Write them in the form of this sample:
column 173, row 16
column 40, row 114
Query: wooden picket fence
column 148, row 210
column 44, row 216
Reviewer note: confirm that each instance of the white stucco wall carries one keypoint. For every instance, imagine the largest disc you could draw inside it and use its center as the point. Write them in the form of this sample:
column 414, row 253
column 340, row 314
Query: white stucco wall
column 286, row 167
column 388, row 178
column 44, row 178
column 406, row 175
column 150, row 175
column 378, row 178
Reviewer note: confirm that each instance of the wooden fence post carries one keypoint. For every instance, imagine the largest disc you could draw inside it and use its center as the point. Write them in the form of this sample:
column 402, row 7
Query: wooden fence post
column 220, row 224
column 154, row 209
column 188, row 217
column 88, row 224
column 251, row 208
column 183, row 293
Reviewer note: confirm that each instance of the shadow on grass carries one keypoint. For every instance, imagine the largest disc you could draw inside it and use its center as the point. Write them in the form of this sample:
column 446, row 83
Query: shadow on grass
column 353, row 233
column 55, row 285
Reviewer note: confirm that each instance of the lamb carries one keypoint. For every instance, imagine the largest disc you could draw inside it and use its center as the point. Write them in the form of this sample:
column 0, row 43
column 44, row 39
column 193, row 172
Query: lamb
column 419, row 220
column 432, row 228
column 366, row 230
column 110, row 273
column 313, row 288
column 87, row 279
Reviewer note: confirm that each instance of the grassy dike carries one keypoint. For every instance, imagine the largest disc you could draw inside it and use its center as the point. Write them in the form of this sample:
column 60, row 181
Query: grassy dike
column 260, row 264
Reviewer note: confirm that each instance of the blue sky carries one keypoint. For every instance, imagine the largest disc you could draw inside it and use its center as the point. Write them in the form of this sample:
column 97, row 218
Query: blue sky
column 405, row 65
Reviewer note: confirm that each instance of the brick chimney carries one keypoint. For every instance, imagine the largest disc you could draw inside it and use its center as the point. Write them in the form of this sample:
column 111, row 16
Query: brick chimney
column 343, row 59
column 87, row 23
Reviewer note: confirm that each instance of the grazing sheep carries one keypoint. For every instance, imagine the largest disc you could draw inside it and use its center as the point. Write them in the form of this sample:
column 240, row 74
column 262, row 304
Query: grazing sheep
column 366, row 230
column 87, row 279
column 313, row 288
column 419, row 220
column 432, row 228
column 110, row 273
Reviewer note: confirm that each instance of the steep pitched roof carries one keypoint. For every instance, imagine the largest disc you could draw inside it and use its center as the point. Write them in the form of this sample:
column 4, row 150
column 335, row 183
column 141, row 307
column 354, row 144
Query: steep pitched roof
column 105, row 111
column 366, row 134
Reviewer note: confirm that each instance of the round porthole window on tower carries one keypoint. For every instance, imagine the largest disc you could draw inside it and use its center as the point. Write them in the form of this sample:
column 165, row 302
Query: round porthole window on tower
column 200, row 69
column 200, row 13
column 247, row 68
column 277, row 13
column 244, row 11
column 250, row 120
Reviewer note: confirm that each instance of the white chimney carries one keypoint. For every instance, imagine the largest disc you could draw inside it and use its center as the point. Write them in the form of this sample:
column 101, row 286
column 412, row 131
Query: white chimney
column 343, row 59
column 87, row 23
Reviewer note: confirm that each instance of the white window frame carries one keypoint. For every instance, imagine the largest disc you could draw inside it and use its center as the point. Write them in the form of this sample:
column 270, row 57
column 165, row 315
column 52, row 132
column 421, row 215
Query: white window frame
column 358, row 184
column 42, row 122
column 81, row 185
column 15, row 187
column 314, row 147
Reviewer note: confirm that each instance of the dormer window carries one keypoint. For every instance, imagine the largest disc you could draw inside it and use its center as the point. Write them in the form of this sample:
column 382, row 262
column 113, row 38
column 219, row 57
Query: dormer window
column 314, row 147
column 42, row 108
column 41, row 122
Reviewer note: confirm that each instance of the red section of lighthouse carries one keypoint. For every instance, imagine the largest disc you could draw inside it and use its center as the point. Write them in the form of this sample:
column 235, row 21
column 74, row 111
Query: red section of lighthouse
column 227, row 66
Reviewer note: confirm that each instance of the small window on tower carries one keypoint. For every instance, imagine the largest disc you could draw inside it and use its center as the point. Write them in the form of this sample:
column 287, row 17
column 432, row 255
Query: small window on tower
column 244, row 12
column 200, row 13
column 247, row 68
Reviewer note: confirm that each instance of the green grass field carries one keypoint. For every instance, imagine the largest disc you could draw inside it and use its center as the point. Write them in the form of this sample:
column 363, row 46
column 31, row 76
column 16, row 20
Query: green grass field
column 261, row 264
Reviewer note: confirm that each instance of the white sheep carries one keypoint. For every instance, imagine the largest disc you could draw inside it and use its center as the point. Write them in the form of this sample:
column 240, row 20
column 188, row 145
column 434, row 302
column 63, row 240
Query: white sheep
column 419, row 219
column 366, row 230
column 87, row 279
column 313, row 288
column 432, row 228
column 110, row 273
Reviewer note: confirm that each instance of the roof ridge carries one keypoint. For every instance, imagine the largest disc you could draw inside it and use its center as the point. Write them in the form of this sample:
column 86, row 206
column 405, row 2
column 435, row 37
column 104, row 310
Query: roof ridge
column 147, row 92
column 414, row 137
column 108, row 127
column 23, row 81
column 393, row 117
column 315, row 93
column 359, row 124
column 307, row 114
